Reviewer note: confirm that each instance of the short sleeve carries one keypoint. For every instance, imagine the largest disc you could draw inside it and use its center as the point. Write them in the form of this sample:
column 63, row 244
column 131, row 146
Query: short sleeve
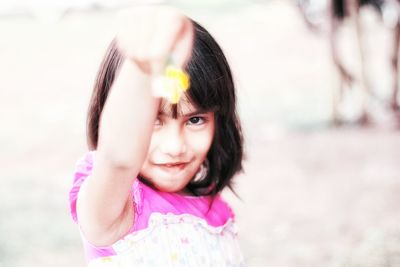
column 82, row 170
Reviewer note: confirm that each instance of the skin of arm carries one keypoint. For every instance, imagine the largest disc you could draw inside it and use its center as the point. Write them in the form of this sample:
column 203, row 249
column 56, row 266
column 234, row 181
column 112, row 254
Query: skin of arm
column 104, row 206
column 125, row 130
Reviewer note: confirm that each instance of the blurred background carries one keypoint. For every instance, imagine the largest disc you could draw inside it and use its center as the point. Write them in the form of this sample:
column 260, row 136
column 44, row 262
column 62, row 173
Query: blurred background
column 311, row 195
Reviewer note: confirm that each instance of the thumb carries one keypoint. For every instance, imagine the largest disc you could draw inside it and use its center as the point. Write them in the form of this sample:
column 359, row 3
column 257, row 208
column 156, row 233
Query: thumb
column 182, row 49
column 175, row 50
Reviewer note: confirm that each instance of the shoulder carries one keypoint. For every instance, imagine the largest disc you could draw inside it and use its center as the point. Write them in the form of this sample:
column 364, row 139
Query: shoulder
column 83, row 168
column 220, row 212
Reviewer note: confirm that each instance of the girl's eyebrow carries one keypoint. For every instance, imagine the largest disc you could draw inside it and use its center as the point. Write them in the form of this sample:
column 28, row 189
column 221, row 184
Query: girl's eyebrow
column 196, row 112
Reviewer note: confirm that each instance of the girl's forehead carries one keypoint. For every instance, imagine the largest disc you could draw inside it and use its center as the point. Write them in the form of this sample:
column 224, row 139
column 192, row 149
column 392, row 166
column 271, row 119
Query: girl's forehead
column 177, row 110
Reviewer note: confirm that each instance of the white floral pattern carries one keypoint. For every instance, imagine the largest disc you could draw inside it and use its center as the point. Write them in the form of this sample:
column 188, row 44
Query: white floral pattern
column 177, row 241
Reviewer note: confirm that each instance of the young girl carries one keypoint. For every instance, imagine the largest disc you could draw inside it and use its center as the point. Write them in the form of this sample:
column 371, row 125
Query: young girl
column 165, row 140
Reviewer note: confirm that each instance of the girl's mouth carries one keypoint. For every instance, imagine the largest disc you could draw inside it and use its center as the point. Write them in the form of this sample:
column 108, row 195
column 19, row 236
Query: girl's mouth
column 173, row 166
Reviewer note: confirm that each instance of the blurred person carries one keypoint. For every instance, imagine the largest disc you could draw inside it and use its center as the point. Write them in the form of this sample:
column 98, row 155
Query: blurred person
column 164, row 140
column 337, row 12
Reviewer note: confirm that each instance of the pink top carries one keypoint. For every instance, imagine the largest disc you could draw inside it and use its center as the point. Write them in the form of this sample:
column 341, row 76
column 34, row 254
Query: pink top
column 182, row 230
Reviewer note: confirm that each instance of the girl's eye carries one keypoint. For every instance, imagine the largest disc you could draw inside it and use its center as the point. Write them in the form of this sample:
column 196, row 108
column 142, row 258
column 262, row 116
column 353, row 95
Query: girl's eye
column 196, row 121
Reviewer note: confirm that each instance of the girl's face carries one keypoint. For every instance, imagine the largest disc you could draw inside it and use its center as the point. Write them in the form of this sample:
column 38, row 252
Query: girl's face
column 178, row 146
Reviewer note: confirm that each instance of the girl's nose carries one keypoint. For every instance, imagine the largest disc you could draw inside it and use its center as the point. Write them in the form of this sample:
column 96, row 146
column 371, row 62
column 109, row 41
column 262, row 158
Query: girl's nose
column 173, row 142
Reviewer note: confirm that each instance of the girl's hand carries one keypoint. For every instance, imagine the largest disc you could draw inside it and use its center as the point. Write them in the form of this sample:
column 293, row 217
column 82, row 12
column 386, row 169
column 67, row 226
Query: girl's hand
column 152, row 35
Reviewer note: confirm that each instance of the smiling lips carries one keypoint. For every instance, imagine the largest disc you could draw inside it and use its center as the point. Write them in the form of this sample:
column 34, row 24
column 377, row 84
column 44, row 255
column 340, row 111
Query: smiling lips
column 173, row 166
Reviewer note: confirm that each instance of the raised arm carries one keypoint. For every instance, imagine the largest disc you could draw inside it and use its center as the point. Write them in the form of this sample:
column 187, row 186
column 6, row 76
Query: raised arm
column 147, row 37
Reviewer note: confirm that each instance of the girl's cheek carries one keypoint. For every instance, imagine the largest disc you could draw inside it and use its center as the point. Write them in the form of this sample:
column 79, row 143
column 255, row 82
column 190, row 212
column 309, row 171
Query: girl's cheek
column 155, row 138
column 201, row 141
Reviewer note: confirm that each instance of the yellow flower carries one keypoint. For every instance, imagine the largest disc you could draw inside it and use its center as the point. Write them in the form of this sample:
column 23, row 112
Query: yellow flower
column 106, row 259
column 177, row 82
column 172, row 84
column 174, row 257
column 179, row 76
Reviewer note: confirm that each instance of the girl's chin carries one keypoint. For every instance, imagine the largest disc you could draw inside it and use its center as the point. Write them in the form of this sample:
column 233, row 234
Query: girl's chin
column 169, row 188
column 168, row 182
column 164, row 184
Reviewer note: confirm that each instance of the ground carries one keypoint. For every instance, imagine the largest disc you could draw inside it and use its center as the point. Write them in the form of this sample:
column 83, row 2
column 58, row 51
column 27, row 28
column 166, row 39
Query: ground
column 310, row 195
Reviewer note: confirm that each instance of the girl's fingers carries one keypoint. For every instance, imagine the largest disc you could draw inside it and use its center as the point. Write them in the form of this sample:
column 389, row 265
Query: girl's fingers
column 159, row 49
column 126, row 36
column 151, row 35
column 182, row 49
column 135, row 30
column 172, row 40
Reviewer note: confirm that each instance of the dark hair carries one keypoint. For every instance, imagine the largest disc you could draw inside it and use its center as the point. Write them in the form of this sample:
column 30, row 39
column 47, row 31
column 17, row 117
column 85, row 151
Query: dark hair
column 211, row 88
